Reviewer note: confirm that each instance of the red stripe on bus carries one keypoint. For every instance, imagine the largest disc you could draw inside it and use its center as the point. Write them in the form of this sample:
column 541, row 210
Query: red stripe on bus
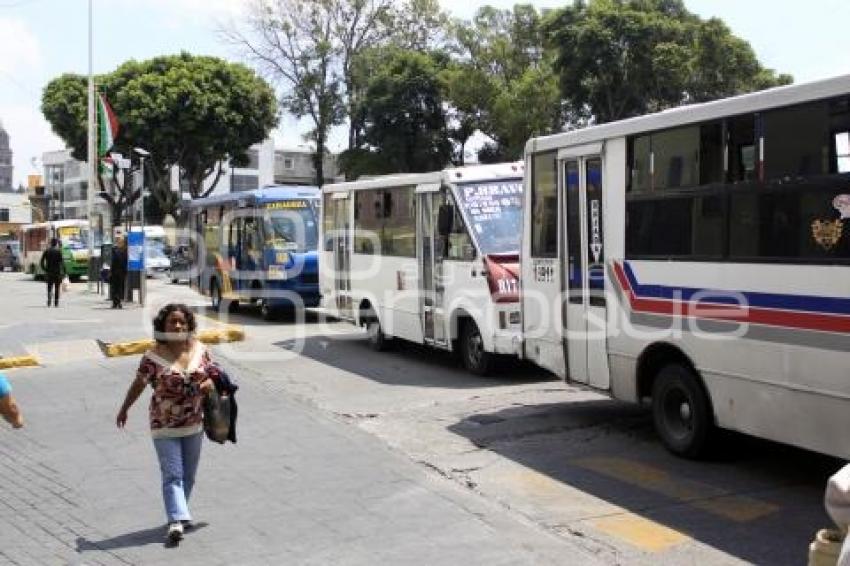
column 731, row 313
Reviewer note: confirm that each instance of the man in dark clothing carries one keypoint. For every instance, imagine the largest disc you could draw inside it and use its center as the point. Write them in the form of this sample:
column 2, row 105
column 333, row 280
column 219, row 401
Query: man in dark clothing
column 118, row 273
column 53, row 267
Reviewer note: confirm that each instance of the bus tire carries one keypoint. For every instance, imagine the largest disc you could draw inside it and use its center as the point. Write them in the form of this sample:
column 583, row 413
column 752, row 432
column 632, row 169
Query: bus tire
column 378, row 340
column 267, row 312
column 681, row 411
column 475, row 358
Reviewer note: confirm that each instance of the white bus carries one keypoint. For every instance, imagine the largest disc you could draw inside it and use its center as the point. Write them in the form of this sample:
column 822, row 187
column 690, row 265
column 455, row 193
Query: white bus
column 698, row 260
column 73, row 236
column 431, row 258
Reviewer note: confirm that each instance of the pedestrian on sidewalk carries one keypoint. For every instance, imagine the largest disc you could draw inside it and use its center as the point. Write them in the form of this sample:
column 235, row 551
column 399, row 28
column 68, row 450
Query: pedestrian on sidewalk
column 180, row 371
column 53, row 267
column 118, row 273
column 8, row 407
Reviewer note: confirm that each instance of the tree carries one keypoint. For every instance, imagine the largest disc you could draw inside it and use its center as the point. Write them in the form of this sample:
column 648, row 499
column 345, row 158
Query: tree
column 292, row 41
column 311, row 48
column 404, row 122
column 623, row 58
column 190, row 111
column 505, row 82
column 64, row 105
column 469, row 91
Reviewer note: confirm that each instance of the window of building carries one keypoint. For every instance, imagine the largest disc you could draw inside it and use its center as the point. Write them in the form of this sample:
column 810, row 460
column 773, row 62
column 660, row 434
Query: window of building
column 288, row 163
column 241, row 183
column 4, row 214
column 544, row 205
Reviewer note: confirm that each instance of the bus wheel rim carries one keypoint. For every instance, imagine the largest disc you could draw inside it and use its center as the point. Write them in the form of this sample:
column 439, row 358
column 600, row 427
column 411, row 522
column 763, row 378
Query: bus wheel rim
column 678, row 414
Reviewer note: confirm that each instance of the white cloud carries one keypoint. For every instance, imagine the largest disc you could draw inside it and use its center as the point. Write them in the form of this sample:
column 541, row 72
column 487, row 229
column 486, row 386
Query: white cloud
column 29, row 136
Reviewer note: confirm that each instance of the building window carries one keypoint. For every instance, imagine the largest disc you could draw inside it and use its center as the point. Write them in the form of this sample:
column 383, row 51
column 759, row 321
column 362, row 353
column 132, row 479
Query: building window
column 4, row 214
column 288, row 163
column 240, row 183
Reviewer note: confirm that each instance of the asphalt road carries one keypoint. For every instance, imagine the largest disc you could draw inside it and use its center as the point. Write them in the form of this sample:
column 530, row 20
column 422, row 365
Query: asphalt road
column 352, row 456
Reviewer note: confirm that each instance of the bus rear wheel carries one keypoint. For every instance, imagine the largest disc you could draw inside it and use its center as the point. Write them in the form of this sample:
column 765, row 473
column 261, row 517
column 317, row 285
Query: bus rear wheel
column 475, row 358
column 681, row 411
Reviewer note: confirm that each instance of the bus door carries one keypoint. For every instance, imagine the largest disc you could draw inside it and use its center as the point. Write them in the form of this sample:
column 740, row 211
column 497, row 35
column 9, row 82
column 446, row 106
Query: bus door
column 431, row 252
column 339, row 210
column 584, row 277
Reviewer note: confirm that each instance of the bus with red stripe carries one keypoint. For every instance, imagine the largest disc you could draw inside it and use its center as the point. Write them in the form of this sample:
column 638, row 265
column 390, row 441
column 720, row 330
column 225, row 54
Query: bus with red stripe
column 697, row 261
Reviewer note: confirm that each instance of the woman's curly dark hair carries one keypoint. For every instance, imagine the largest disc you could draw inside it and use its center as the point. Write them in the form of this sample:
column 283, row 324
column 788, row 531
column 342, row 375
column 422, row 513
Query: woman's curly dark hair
column 159, row 333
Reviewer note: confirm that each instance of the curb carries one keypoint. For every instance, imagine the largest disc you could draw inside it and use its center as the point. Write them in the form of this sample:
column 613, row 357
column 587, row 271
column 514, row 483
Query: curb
column 18, row 362
column 211, row 336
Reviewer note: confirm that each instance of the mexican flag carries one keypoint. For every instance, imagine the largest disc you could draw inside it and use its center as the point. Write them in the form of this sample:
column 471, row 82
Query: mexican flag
column 107, row 126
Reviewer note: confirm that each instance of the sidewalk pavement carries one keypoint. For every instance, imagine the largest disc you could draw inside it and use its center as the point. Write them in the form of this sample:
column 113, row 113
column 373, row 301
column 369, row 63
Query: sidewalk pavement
column 84, row 322
column 298, row 488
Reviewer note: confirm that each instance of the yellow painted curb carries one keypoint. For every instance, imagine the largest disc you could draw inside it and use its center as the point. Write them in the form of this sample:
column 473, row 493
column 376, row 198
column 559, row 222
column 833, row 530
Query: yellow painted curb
column 18, row 362
column 211, row 336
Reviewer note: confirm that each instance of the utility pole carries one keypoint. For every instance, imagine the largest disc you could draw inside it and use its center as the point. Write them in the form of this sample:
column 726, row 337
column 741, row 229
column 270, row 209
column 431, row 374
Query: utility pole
column 92, row 159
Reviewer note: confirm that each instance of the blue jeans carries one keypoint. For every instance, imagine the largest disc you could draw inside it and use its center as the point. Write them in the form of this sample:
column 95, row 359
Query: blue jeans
column 178, row 462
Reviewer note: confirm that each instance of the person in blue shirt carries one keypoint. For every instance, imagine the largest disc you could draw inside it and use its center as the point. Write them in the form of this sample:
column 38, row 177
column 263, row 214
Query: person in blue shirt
column 8, row 408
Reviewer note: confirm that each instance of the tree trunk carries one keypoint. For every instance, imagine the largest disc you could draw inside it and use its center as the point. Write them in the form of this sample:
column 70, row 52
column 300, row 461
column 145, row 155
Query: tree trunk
column 319, row 159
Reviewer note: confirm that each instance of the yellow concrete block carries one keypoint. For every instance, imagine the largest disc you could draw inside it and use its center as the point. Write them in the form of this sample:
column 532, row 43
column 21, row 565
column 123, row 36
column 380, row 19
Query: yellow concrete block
column 128, row 348
column 18, row 362
column 210, row 336
column 640, row 532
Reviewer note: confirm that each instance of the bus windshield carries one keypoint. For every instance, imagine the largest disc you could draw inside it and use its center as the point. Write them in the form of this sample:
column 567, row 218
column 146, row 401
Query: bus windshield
column 73, row 237
column 494, row 210
column 291, row 226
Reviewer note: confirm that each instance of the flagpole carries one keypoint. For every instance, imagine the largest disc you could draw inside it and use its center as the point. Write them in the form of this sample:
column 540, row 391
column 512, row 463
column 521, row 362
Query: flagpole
column 92, row 159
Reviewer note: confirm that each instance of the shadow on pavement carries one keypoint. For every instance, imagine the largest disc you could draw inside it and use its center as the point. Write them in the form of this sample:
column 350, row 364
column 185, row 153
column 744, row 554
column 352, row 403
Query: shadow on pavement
column 155, row 535
column 758, row 501
column 248, row 315
column 408, row 364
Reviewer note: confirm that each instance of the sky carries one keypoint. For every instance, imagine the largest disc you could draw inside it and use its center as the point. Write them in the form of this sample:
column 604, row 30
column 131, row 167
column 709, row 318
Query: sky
column 41, row 39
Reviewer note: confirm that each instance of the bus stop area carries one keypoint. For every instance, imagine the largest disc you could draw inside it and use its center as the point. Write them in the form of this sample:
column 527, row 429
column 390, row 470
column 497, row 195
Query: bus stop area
column 347, row 452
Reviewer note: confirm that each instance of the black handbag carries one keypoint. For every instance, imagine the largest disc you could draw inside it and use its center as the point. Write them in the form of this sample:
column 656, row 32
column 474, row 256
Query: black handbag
column 217, row 415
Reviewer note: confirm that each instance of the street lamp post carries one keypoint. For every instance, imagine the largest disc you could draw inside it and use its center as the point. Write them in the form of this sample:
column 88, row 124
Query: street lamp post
column 144, row 275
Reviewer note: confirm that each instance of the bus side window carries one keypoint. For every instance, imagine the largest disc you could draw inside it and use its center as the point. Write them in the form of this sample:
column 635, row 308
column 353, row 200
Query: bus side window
column 460, row 242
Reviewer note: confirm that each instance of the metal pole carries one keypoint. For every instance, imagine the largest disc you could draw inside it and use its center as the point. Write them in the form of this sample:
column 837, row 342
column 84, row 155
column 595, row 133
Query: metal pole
column 91, row 155
column 144, row 282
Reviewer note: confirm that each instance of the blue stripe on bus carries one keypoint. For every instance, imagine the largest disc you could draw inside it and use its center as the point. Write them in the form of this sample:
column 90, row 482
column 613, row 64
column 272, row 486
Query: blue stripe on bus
column 808, row 303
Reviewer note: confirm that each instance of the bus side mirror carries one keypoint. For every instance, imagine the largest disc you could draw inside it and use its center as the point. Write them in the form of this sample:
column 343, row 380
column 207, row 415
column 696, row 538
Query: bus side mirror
column 445, row 219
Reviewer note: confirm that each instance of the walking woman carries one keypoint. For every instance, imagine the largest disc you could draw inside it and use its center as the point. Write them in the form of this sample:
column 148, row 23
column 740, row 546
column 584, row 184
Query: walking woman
column 180, row 372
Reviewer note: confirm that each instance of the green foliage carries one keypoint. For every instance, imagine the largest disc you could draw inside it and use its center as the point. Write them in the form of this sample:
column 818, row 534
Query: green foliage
column 64, row 104
column 189, row 111
column 402, row 116
column 505, row 84
column 622, row 58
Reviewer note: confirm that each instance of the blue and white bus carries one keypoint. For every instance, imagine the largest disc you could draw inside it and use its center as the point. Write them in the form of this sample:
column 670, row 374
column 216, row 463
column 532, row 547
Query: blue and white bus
column 698, row 261
column 257, row 247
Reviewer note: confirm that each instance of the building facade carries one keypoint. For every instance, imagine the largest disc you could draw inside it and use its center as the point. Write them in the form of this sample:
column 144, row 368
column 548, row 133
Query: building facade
column 66, row 179
column 5, row 160
column 15, row 211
